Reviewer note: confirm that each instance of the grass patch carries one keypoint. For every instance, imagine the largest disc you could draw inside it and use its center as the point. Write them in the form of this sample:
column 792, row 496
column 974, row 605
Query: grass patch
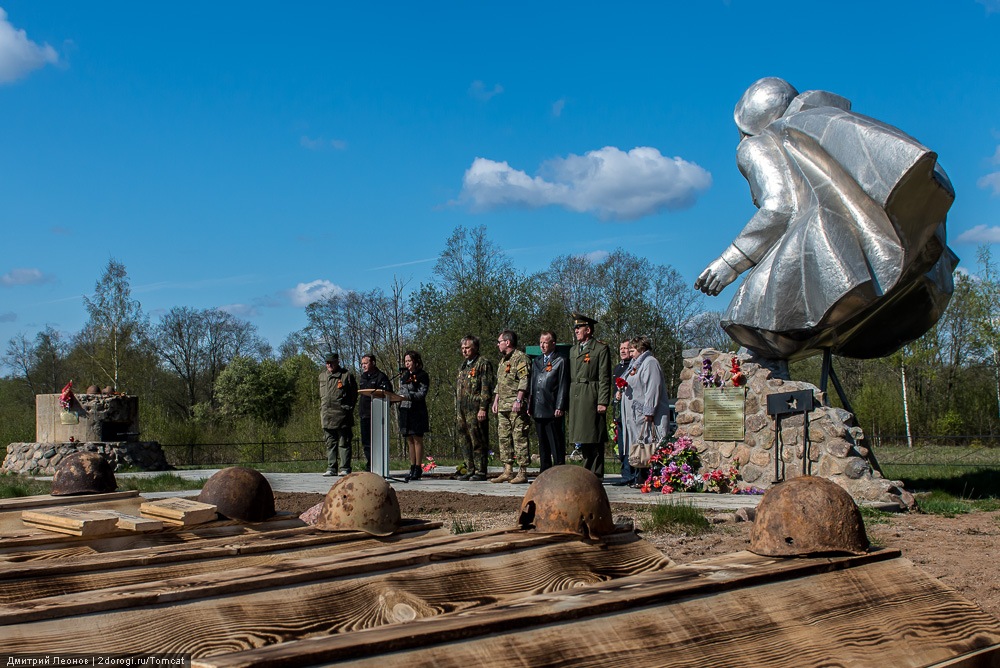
column 163, row 482
column 463, row 526
column 874, row 515
column 13, row 486
column 673, row 517
column 938, row 502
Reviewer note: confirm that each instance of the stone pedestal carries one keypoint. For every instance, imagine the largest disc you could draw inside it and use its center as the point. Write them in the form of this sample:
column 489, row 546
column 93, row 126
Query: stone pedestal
column 835, row 447
column 91, row 417
column 42, row 458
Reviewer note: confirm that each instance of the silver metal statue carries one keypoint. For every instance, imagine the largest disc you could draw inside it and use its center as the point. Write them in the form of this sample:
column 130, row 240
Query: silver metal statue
column 847, row 250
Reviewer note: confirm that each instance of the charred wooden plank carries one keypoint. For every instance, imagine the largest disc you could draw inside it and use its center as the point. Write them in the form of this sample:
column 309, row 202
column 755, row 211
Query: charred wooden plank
column 35, row 544
column 395, row 589
column 42, row 500
column 738, row 610
column 195, row 550
column 63, row 579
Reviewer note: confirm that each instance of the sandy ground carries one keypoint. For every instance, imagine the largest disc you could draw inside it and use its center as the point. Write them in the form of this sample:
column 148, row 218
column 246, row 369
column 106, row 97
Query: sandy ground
column 960, row 551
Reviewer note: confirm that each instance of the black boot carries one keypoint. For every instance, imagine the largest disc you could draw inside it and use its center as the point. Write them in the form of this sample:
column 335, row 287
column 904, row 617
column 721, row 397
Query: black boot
column 417, row 472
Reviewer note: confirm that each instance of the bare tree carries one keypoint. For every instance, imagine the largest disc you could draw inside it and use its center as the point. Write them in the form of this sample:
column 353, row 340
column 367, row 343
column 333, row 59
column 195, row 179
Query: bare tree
column 116, row 322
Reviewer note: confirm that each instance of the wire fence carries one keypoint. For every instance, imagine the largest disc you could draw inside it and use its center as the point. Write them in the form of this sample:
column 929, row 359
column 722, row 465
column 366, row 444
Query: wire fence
column 971, row 451
column 204, row 455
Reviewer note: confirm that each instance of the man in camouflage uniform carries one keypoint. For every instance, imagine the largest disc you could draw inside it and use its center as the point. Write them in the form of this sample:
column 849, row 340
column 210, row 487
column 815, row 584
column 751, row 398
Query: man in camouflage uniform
column 338, row 392
column 510, row 408
column 589, row 394
column 473, row 392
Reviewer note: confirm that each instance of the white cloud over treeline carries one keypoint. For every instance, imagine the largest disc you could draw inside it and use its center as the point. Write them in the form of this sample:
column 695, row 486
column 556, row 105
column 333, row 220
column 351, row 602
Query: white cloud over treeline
column 305, row 294
column 18, row 54
column 611, row 183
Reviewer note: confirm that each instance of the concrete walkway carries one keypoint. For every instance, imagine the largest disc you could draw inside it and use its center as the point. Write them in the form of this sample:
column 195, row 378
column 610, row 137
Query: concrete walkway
column 316, row 483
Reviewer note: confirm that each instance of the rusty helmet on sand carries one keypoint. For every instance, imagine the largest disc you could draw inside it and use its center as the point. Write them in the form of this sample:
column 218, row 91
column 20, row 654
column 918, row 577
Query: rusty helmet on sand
column 83, row 473
column 360, row 501
column 567, row 499
column 807, row 515
column 239, row 493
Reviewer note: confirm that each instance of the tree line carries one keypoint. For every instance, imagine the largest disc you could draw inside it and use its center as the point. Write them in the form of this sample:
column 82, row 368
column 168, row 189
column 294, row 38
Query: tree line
column 206, row 376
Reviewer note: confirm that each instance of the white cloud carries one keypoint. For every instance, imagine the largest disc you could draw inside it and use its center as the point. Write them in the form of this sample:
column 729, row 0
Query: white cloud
column 990, row 5
column 609, row 182
column 990, row 182
column 558, row 106
column 996, row 154
column 9, row 316
column 240, row 310
column 478, row 91
column 596, row 257
column 980, row 234
column 320, row 144
column 25, row 277
column 18, row 54
column 304, row 294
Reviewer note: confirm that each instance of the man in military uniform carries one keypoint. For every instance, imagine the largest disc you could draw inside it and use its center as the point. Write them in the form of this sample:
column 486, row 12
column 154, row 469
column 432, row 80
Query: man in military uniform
column 338, row 392
column 510, row 407
column 473, row 393
column 590, row 393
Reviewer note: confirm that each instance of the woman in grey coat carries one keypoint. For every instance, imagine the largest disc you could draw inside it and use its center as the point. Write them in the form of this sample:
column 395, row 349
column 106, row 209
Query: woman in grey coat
column 645, row 400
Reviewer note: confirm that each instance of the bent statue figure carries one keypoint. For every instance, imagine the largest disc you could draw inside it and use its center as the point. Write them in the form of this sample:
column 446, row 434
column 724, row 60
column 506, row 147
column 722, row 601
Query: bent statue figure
column 847, row 250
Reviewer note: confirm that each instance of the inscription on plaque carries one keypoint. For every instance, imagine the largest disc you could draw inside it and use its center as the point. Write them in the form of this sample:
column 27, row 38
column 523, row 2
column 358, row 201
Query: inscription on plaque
column 725, row 413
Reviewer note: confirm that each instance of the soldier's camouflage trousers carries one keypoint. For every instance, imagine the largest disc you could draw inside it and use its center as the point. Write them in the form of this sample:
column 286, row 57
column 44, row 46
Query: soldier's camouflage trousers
column 477, row 440
column 512, row 428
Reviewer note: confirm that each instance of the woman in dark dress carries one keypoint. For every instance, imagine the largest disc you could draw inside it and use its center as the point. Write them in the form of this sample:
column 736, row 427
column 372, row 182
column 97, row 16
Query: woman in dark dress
column 413, row 419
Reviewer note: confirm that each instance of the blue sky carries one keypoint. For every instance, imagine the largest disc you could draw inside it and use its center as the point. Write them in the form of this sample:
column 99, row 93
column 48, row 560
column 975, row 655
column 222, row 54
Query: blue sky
column 250, row 156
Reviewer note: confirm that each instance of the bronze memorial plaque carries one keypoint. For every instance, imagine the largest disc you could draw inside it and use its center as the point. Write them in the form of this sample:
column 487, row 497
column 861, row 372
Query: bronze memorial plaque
column 724, row 413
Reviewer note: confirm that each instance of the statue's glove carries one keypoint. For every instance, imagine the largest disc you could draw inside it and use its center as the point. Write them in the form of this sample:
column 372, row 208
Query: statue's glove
column 723, row 271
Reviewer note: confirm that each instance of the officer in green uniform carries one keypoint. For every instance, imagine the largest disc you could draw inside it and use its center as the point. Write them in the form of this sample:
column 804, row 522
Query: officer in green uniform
column 510, row 407
column 473, row 394
column 590, row 393
column 338, row 392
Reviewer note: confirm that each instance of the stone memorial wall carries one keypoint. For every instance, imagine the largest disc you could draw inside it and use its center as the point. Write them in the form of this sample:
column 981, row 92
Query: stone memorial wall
column 834, row 447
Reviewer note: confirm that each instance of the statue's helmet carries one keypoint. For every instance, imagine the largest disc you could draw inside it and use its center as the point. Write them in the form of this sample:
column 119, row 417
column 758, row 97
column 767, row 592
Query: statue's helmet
column 762, row 103
column 239, row 493
column 83, row 473
column 807, row 515
column 567, row 499
column 360, row 501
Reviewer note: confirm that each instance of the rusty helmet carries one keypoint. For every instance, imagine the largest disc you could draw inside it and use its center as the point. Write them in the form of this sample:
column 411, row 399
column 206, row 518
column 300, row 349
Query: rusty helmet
column 239, row 493
column 83, row 473
column 360, row 501
column 807, row 515
column 93, row 389
column 567, row 499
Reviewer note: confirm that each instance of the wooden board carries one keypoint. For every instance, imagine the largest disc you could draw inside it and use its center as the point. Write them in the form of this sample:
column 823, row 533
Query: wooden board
column 129, row 522
column 247, row 608
column 737, row 610
column 269, row 594
column 182, row 512
column 42, row 500
column 71, row 521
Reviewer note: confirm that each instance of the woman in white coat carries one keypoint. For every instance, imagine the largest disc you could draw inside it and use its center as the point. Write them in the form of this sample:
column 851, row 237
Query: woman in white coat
column 645, row 400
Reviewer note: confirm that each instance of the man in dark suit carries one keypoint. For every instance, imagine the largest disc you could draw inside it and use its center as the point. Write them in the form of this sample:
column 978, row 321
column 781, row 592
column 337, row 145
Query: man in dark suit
column 590, row 393
column 548, row 401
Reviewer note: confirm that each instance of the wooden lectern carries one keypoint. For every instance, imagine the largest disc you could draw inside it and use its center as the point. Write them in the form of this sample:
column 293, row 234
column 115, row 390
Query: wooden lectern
column 381, row 400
